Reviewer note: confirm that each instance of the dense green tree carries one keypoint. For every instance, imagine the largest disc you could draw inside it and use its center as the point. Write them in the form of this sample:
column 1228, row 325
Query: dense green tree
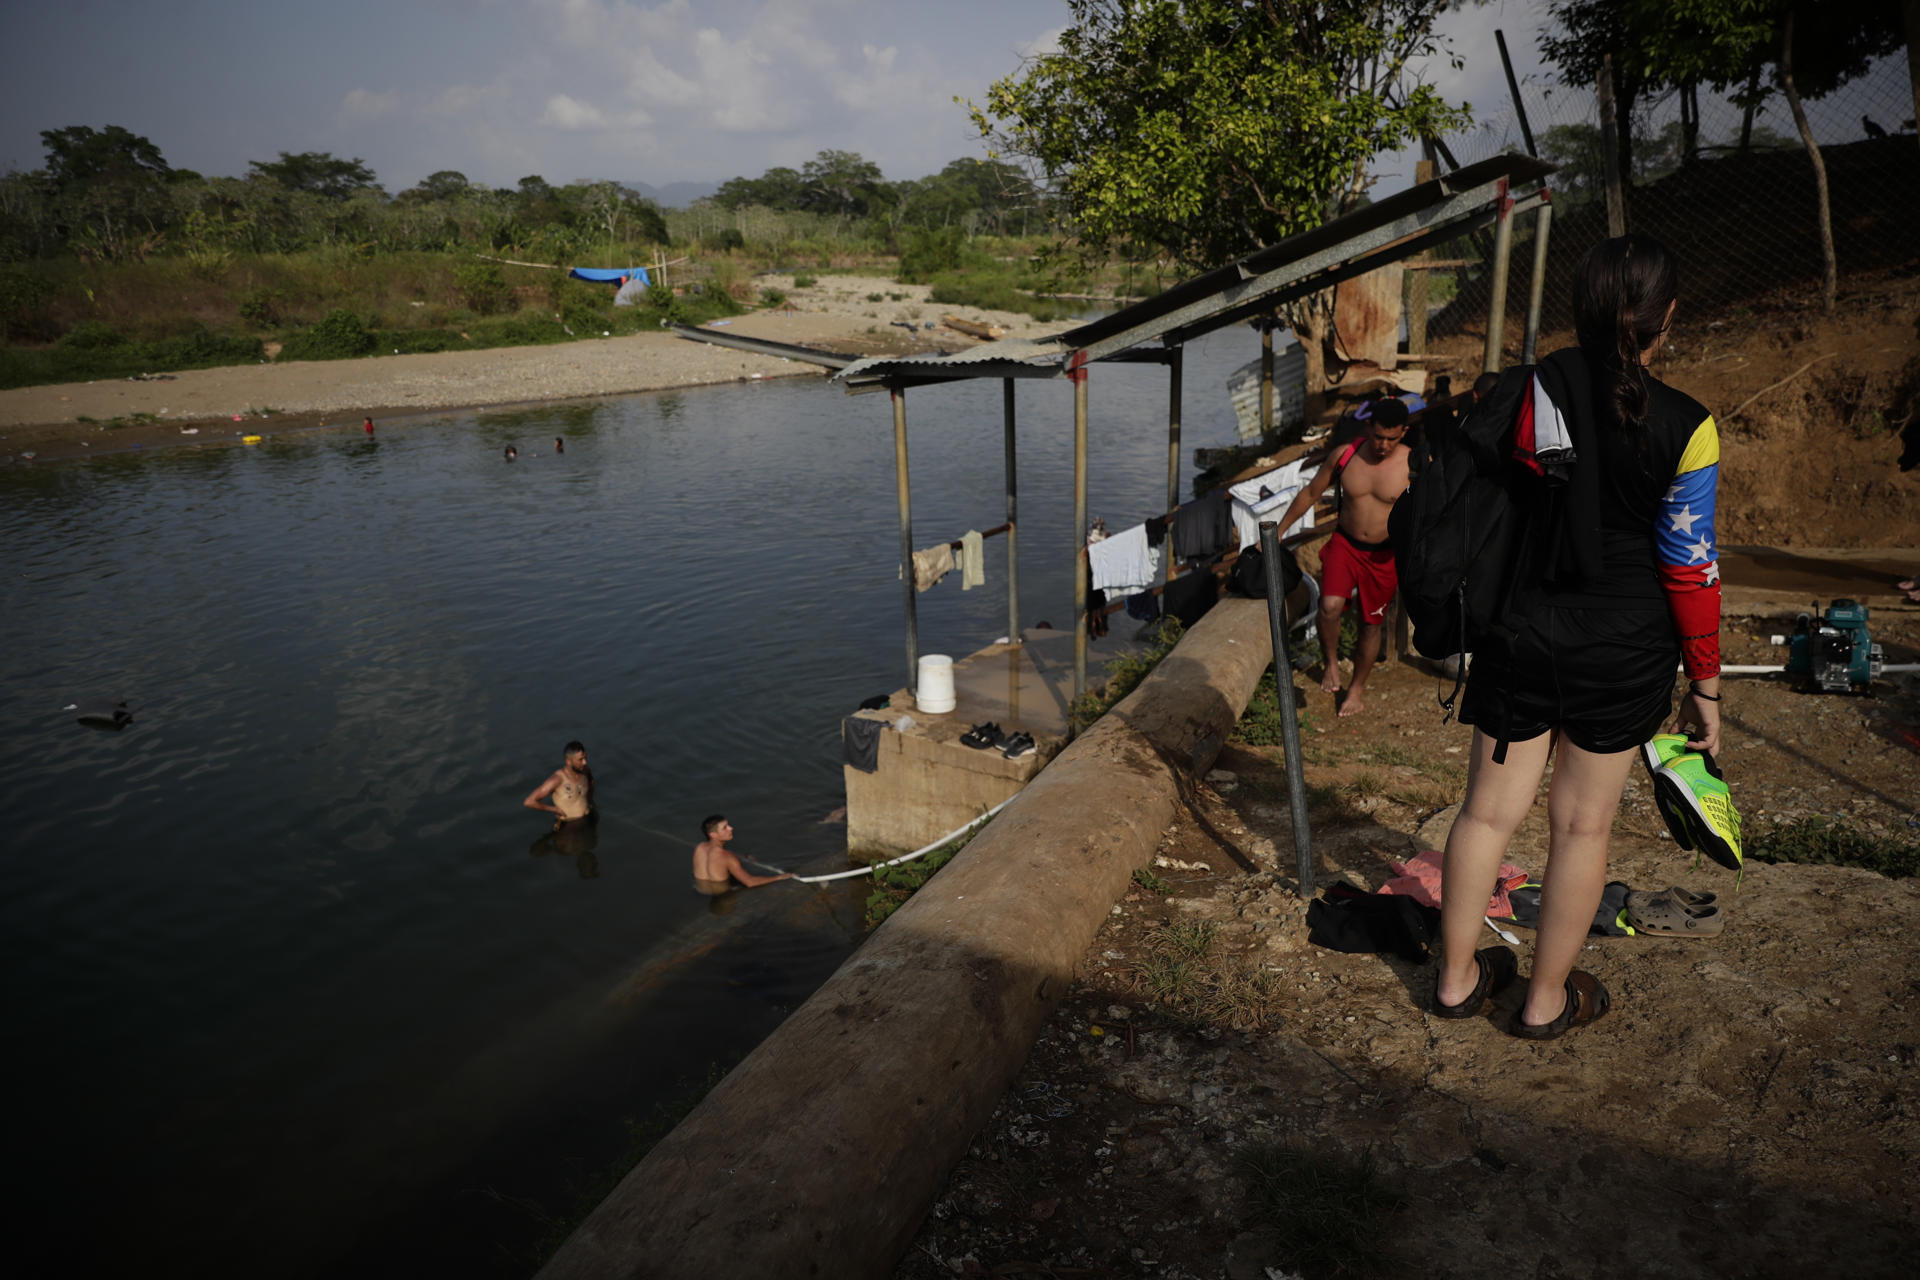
column 108, row 190
column 78, row 155
column 779, row 188
column 1210, row 128
column 842, row 184
column 319, row 172
column 444, row 184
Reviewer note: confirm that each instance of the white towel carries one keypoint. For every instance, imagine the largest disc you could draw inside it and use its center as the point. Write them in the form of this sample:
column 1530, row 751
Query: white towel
column 1124, row 562
column 1281, row 486
column 973, row 560
column 931, row 565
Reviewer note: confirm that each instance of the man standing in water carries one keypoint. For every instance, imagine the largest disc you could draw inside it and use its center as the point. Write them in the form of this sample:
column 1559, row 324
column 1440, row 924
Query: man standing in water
column 571, row 789
column 713, row 862
column 1368, row 475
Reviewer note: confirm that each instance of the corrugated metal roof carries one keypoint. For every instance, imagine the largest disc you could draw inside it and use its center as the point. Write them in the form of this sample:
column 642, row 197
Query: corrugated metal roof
column 1377, row 234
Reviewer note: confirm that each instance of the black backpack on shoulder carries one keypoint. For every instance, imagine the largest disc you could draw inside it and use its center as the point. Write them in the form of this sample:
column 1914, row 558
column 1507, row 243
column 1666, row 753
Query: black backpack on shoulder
column 1459, row 533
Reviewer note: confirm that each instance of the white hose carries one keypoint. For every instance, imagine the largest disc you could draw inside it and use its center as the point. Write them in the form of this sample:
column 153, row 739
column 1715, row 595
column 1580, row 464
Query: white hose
column 905, row 857
column 1751, row 671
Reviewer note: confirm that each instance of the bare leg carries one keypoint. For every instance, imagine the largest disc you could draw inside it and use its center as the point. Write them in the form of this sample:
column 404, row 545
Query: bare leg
column 1499, row 797
column 1331, row 609
column 1580, row 808
column 1365, row 654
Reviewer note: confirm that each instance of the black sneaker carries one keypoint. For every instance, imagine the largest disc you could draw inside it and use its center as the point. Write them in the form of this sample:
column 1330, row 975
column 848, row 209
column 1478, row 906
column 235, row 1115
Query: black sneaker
column 1020, row 744
column 983, row 737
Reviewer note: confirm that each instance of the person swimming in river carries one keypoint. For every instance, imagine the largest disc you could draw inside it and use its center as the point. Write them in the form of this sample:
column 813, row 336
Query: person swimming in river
column 714, row 863
column 568, row 794
column 512, row 453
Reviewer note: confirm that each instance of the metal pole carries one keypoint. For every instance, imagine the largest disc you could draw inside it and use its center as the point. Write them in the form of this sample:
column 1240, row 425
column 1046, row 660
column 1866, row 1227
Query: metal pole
column 1610, row 152
column 1173, row 442
column 1542, row 224
column 1497, row 304
column 1283, row 693
column 1013, row 520
column 904, row 492
column 1513, row 88
column 1077, row 370
column 1266, row 377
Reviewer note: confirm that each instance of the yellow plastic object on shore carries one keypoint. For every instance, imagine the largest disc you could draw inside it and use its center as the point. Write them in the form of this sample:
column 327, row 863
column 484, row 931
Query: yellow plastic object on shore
column 249, row 439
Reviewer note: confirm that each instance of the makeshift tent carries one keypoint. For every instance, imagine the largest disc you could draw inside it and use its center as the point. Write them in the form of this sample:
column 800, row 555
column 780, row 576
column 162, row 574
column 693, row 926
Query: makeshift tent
column 609, row 275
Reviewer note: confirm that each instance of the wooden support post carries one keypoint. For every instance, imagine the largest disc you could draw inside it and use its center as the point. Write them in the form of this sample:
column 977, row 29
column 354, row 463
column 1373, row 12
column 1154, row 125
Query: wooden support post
column 1013, row 519
column 1536, row 288
column 1077, row 370
column 1416, row 281
column 1497, row 304
column 903, row 491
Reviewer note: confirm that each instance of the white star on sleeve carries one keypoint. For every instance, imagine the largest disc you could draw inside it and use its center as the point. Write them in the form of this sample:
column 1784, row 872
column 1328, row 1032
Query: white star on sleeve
column 1683, row 522
column 1673, row 491
column 1713, row 573
column 1700, row 550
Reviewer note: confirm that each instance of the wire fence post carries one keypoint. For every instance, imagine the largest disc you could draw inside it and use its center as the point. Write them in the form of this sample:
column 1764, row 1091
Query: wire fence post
column 1283, row 693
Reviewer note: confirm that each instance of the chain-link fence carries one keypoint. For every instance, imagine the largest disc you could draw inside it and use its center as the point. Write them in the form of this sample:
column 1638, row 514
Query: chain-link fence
column 1731, row 193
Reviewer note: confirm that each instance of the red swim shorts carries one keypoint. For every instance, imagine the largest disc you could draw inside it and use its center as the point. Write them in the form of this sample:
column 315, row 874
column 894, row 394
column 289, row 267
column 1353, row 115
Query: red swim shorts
column 1345, row 568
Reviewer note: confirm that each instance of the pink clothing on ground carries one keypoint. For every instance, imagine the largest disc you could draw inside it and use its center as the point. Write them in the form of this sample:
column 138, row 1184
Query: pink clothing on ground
column 1419, row 878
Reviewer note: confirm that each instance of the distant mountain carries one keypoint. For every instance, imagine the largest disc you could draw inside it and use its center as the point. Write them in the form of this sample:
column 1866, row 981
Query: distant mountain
column 676, row 195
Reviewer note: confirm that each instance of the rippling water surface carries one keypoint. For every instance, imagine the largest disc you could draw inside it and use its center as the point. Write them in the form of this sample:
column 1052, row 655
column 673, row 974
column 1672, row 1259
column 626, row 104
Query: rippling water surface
column 295, row 985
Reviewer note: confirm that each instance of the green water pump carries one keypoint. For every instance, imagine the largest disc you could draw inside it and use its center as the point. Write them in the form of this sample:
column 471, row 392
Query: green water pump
column 1832, row 650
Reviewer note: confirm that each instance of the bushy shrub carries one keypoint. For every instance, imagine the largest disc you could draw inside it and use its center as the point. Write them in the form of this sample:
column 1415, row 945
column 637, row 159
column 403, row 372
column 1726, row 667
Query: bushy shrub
column 261, row 307
column 804, row 282
column 482, row 287
column 928, row 253
column 25, row 306
column 92, row 335
column 722, row 241
column 341, row 336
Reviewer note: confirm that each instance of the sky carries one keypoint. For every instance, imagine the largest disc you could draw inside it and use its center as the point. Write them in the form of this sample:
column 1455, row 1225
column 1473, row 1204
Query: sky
column 679, row 91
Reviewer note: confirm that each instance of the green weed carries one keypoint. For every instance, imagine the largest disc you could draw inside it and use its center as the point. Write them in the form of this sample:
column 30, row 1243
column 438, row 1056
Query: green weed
column 1835, row 842
column 1124, row 675
column 892, row 886
column 1144, row 877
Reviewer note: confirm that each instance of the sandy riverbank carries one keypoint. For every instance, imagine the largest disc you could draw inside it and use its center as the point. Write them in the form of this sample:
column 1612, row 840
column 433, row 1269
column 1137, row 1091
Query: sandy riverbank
column 200, row 406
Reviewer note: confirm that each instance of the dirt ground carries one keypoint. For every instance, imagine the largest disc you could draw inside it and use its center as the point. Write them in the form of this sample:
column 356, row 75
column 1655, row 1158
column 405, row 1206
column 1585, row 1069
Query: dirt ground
column 206, row 407
column 1750, row 1105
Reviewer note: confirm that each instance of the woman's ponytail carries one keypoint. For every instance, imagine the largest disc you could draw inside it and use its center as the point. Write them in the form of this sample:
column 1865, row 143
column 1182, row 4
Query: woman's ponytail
column 1620, row 298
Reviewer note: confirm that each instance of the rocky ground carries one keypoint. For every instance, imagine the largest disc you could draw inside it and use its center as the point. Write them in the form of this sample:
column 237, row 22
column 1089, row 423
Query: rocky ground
column 1218, row 1097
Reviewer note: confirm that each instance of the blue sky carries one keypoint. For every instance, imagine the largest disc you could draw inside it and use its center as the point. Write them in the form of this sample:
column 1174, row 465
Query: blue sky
column 498, row 89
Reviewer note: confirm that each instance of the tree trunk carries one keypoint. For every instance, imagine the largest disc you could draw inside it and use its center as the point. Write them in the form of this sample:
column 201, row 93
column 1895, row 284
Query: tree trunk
column 1689, row 122
column 1830, row 267
column 1610, row 152
column 1746, row 115
column 1311, row 319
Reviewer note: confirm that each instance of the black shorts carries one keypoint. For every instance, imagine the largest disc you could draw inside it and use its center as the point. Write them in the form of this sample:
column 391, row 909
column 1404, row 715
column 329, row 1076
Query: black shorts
column 1603, row 677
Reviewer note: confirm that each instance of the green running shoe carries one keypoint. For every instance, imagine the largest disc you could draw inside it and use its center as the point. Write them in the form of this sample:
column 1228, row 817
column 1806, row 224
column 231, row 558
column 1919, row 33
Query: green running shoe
column 1694, row 799
column 1660, row 748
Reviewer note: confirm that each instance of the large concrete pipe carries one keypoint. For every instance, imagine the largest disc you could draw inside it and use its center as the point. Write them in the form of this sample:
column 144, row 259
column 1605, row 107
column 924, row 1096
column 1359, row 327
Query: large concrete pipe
column 820, row 1154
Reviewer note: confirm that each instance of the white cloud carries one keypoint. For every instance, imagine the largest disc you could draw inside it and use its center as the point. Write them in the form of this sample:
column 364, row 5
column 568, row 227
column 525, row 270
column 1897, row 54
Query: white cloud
column 566, row 112
column 366, row 104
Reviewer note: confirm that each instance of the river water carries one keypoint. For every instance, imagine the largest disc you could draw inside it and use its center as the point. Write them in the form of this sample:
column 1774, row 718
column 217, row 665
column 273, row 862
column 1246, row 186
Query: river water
column 295, row 985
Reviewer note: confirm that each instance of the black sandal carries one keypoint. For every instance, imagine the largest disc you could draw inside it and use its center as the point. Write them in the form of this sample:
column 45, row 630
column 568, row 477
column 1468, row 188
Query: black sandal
column 1498, row 969
column 1587, row 1001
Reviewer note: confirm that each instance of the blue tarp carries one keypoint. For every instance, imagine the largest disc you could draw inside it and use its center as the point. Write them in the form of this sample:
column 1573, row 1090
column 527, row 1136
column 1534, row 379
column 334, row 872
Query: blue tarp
column 609, row 275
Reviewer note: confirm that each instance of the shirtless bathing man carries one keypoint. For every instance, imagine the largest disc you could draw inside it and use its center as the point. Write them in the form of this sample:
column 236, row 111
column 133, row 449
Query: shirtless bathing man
column 713, row 862
column 1371, row 477
column 570, row 789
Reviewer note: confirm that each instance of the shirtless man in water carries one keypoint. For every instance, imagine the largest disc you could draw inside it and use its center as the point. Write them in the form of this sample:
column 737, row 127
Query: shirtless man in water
column 571, row 789
column 1357, row 557
column 713, row 862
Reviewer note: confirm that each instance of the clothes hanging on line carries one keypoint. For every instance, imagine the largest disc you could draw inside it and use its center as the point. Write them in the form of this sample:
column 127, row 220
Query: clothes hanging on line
column 973, row 560
column 1203, row 527
column 1123, row 562
column 931, row 565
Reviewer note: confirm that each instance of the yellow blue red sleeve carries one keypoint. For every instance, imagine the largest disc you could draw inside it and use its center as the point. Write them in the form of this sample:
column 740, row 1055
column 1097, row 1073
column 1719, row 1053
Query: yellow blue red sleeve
column 1687, row 552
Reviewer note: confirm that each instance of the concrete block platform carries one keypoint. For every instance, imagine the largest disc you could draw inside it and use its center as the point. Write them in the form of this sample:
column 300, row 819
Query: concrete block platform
column 928, row 782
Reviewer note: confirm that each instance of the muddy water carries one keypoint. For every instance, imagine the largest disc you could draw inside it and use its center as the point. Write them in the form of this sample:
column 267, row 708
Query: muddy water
column 295, row 983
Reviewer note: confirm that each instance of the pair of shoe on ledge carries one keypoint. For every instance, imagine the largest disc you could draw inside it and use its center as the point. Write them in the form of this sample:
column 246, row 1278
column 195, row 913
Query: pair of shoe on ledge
column 990, row 737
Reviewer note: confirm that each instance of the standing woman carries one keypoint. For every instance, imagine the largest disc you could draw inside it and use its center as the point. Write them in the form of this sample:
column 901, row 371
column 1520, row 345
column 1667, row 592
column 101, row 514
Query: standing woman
column 1630, row 588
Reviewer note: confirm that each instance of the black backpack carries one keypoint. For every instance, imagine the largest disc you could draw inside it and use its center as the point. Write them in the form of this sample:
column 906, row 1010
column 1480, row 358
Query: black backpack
column 1249, row 577
column 1459, row 533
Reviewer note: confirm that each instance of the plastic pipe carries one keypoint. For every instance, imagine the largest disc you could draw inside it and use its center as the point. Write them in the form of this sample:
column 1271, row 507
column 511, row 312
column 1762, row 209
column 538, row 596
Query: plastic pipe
column 960, row 830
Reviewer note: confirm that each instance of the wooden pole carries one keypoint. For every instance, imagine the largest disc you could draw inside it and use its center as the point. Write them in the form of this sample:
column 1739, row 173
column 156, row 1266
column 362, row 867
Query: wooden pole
column 1536, row 288
column 1497, row 304
column 1266, row 377
column 1416, row 281
column 903, row 492
column 1610, row 153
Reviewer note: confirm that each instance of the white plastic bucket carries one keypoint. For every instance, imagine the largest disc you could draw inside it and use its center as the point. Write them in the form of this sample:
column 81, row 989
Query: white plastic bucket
column 934, row 694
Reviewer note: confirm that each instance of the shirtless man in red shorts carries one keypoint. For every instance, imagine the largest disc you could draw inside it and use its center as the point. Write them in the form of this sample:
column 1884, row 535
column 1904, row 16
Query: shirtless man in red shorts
column 1372, row 474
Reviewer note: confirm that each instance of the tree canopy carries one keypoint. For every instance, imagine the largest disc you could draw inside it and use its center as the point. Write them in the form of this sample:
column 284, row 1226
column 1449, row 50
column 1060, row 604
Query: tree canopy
column 319, row 172
column 1209, row 128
